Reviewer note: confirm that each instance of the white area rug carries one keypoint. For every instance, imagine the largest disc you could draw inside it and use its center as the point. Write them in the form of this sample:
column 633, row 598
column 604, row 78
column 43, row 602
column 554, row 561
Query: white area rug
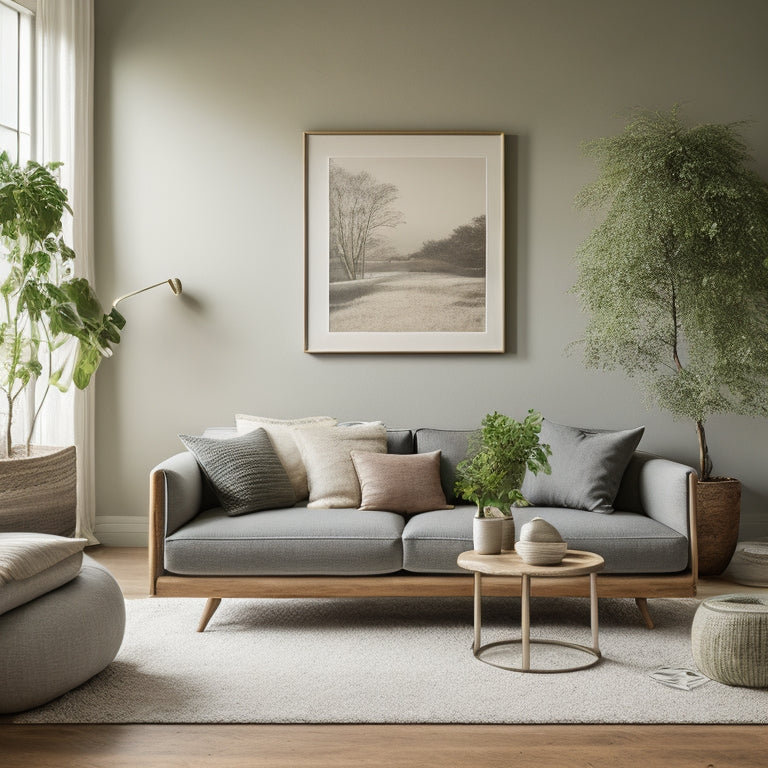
column 391, row 661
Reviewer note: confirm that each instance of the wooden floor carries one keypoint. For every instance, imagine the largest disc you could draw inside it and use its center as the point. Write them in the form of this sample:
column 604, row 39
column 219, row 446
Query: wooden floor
column 361, row 746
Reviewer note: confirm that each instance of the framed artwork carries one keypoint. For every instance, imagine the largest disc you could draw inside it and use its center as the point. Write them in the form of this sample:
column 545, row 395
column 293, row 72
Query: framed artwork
column 404, row 242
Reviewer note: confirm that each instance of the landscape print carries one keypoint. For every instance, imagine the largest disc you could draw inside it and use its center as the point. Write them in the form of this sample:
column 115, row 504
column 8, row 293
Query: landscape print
column 407, row 244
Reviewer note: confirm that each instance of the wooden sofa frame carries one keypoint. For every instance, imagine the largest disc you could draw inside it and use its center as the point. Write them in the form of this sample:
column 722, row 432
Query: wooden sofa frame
column 215, row 588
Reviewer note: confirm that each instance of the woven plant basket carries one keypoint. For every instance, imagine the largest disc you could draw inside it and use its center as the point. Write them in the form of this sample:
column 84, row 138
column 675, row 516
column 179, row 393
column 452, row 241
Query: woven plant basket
column 729, row 639
column 39, row 492
column 717, row 523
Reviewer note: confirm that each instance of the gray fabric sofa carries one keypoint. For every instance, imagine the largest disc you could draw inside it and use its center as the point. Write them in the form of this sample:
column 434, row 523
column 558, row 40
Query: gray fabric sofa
column 197, row 550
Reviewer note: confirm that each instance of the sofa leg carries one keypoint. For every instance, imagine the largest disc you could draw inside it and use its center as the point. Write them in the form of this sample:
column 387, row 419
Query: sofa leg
column 210, row 608
column 642, row 606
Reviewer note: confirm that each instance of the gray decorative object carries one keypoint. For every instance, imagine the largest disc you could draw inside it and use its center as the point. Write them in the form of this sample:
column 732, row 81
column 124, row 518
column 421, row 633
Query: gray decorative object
column 729, row 637
column 587, row 467
column 244, row 471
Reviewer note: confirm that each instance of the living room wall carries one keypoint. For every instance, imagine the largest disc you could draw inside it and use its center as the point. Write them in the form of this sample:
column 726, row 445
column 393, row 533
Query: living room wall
column 199, row 114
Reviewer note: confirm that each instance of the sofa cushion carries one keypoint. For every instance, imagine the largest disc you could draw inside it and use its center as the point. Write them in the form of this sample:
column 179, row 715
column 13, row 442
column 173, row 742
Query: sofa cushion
column 629, row 543
column 396, row 483
column 288, row 542
column 282, row 434
column 453, row 445
column 399, row 441
column 245, row 472
column 326, row 455
column 433, row 540
column 587, row 467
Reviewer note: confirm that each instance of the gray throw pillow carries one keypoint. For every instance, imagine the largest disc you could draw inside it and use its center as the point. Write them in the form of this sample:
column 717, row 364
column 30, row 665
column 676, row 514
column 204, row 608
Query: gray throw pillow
column 587, row 467
column 245, row 472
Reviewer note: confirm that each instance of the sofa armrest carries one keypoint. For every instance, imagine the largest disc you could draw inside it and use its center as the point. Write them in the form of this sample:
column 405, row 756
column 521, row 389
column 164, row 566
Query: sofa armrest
column 180, row 491
column 659, row 488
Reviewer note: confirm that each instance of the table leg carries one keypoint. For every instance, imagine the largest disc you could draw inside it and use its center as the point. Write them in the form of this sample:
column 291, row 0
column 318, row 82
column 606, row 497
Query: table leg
column 525, row 620
column 478, row 609
column 593, row 610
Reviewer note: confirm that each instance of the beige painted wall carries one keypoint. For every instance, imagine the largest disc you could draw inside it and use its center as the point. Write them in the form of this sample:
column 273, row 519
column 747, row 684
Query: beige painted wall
column 200, row 108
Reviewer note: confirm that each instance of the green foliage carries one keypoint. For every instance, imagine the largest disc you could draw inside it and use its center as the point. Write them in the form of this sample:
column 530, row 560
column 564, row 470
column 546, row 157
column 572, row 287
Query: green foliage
column 499, row 455
column 43, row 309
column 675, row 278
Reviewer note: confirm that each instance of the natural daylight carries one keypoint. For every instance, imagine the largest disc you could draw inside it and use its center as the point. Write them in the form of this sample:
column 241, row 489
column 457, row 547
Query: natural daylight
column 407, row 245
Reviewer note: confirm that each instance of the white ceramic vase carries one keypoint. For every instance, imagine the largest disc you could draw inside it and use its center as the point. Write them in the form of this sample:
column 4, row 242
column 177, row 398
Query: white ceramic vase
column 487, row 535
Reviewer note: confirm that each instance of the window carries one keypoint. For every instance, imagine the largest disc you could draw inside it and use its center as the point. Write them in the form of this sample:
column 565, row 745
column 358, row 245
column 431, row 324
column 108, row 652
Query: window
column 17, row 60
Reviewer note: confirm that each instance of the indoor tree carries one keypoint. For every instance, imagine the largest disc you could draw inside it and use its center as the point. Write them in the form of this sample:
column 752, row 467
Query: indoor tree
column 675, row 277
column 52, row 327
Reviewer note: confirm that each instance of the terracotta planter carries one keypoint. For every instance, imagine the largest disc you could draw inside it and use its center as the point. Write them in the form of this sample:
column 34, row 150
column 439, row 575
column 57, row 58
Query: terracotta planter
column 717, row 523
column 39, row 492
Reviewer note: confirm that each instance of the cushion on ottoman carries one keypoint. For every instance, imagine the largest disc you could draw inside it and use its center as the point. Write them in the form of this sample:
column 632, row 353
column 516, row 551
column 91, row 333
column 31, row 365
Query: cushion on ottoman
column 32, row 564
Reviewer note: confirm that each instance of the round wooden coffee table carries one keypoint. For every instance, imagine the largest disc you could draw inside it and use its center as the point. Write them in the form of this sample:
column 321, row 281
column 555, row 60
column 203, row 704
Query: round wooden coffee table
column 575, row 563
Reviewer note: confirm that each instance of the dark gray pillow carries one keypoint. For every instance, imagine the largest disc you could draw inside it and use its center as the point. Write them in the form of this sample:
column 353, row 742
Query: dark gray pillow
column 587, row 467
column 245, row 472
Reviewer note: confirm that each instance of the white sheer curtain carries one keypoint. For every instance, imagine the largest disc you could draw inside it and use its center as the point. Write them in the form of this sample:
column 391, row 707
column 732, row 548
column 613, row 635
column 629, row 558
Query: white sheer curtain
column 64, row 40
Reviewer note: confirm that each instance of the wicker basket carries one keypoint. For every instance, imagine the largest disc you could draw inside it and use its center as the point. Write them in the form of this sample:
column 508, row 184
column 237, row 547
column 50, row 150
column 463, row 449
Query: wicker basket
column 39, row 492
column 729, row 638
column 717, row 524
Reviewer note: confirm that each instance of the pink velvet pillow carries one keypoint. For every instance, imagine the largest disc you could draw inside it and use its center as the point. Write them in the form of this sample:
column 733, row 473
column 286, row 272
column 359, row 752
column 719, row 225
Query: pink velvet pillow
column 407, row 483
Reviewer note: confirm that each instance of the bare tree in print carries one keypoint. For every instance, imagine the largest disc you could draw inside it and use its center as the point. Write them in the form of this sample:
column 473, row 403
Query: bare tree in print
column 359, row 207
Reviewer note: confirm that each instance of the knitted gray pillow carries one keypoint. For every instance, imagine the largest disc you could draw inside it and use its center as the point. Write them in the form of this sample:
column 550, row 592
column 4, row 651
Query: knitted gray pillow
column 587, row 467
column 245, row 472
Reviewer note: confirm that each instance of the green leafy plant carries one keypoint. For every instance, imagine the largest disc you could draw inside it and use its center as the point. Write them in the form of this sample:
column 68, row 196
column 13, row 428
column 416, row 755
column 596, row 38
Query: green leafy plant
column 675, row 278
column 500, row 453
column 52, row 327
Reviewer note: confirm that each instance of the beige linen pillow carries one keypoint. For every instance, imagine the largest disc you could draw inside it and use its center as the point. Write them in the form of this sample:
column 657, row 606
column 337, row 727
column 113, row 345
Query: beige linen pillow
column 326, row 453
column 281, row 433
column 407, row 483
column 24, row 555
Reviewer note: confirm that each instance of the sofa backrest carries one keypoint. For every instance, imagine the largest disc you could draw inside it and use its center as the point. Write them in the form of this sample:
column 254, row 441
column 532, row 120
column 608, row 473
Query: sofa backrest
column 453, row 445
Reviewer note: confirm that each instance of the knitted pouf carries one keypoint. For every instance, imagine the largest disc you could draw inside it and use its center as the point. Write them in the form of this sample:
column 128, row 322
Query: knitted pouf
column 729, row 637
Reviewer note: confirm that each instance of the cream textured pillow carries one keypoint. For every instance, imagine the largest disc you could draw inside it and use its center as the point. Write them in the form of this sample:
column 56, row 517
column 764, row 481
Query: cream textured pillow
column 330, row 472
column 24, row 555
column 281, row 433
column 407, row 483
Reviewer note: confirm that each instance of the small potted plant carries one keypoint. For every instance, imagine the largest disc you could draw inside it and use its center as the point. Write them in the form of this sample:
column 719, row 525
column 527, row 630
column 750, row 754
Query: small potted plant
column 493, row 472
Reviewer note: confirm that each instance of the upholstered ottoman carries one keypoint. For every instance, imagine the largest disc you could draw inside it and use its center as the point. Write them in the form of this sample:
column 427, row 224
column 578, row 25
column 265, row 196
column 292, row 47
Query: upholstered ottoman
column 58, row 628
column 729, row 637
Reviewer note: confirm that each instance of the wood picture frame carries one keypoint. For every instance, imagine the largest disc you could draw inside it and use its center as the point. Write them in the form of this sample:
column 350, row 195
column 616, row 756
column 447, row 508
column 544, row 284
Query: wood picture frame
column 404, row 242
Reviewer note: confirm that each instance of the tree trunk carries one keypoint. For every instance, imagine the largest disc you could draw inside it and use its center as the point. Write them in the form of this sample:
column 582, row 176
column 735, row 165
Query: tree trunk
column 8, row 423
column 705, row 463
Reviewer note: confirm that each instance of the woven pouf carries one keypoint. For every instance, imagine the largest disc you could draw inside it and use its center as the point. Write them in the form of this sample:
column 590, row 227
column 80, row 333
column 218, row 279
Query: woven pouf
column 729, row 637
column 749, row 564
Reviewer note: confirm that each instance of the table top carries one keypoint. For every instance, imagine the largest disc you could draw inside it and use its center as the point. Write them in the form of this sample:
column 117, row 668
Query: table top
column 575, row 563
